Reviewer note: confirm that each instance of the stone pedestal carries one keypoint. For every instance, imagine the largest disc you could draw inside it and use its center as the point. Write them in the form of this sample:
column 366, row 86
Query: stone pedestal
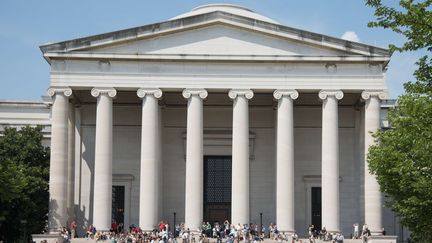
column 382, row 239
column 48, row 238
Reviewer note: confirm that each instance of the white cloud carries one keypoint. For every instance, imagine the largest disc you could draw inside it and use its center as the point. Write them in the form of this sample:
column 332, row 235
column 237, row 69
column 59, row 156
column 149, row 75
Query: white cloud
column 350, row 36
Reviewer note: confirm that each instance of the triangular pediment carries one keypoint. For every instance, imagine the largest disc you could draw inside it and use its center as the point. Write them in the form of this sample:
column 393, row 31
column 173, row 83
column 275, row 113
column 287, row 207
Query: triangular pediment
column 219, row 40
column 215, row 33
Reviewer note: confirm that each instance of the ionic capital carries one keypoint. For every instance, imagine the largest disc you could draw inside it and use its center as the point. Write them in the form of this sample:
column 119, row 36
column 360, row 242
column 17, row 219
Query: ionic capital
column 291, row 93
column 57, row 90
column 241, row 92
column 111, row 92
column 157, row 93
column 202, row 93
column 323, row 94
column 381, row 94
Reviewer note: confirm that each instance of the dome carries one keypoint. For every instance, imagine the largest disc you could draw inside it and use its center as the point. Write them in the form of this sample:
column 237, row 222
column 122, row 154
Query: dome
column 228, row 8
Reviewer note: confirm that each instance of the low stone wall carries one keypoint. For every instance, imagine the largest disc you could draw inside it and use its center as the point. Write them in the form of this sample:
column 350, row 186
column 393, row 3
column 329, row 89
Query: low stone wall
column 47, row 238
column 382, row 239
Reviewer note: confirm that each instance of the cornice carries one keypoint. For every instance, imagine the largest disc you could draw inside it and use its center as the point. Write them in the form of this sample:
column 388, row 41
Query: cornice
column 206, row 19
column 80, row 55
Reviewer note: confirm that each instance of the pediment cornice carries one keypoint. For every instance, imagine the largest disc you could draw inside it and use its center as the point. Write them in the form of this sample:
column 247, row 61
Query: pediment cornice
column 213, row 18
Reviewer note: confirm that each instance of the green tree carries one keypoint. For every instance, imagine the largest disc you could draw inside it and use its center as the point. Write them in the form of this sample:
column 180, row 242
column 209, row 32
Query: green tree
column 402, row 158
column 24, row 174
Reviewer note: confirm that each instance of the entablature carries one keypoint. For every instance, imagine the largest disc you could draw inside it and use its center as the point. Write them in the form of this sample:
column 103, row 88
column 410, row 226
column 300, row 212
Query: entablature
column 128, row 75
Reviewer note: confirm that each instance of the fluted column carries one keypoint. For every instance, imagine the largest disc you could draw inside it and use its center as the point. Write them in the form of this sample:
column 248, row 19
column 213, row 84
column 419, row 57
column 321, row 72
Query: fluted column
column 59, row 158
column 149, row 176
column 285, row 160
column 102, row 198
column 240, row 156
column 373, row 200
column 330, row 160
column 194, row 158
column 71, row 164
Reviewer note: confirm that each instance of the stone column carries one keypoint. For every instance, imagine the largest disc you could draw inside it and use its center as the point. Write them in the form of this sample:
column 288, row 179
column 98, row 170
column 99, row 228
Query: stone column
column 285, row 160
column 373, row 204
column 102, row 198
column 59, row 158
column 71, row 164
column 194, row 158
column 160, row 159
column 78, row 157
column 330, row 160
column 240, row 156
column 149, row 176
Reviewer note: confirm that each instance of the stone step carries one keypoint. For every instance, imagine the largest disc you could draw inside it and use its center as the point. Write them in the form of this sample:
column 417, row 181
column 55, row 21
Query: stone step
column 304, row 240
column 82, row 240
column 85, row 240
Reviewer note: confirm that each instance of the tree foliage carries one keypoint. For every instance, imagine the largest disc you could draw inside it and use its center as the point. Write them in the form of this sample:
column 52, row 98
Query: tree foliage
column 24, row 174
column 402, row 158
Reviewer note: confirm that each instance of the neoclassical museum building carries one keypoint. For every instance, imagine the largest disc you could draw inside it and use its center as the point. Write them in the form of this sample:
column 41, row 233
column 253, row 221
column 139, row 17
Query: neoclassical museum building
column 218, row 113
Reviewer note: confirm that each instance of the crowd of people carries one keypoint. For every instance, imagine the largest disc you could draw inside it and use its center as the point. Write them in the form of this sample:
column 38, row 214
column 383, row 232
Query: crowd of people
column 119, row 234
column 217, row 232
column 226, row 231
column 324, row 235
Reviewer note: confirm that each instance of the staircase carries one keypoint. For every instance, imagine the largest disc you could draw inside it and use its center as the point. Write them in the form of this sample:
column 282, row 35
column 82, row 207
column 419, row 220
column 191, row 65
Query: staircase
column 84, row 240
column 304, row 240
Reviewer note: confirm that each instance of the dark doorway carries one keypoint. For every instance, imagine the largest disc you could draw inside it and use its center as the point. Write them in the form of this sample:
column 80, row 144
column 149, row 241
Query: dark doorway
column 118, row 203
column 316, row 207
column 217, row 189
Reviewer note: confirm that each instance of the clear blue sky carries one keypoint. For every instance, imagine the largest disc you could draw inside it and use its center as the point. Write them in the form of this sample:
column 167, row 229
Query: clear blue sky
column 26, row 24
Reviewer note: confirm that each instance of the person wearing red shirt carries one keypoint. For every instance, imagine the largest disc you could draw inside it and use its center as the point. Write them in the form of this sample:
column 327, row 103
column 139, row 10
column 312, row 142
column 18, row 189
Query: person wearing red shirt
column 114, row 226
column 73, row 228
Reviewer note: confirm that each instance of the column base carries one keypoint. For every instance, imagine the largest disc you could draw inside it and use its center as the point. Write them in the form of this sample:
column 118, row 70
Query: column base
column 333, row 232
column 287, row 235
column 382, row 239
column 195, row 231
column 376, row 233
column 52, row 231
column 195, row 235
column 287, row 232
column 147, row 230
column 53, row 237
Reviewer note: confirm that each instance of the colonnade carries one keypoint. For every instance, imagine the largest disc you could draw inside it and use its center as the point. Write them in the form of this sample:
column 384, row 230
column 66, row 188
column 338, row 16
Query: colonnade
column 150, row 160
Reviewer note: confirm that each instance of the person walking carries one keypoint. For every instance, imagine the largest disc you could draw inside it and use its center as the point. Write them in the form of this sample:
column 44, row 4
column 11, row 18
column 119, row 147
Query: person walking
column 73, row 228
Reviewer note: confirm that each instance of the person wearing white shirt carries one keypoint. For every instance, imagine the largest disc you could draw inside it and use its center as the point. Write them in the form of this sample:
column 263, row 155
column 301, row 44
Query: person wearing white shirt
column 356, row 231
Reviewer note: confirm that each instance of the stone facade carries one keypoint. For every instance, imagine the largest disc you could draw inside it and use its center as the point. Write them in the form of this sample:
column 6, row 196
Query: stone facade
column 139, row 108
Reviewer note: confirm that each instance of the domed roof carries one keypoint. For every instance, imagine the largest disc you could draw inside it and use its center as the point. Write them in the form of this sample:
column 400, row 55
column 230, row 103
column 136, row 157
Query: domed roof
column 229, row 8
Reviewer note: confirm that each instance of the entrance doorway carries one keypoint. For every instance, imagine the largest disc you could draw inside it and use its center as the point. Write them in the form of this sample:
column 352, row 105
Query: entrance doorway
column 316, row 207
column 118, row 204
column 217, row 188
